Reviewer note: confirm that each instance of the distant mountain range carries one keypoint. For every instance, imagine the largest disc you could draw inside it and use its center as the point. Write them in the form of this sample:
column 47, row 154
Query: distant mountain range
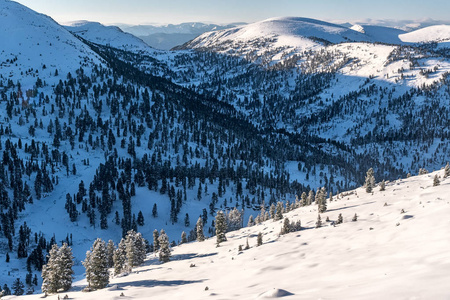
column 166, row 37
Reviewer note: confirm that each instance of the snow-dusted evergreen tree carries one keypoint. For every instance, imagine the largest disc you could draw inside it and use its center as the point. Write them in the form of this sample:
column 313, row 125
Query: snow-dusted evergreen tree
column 235, row 219
column 279, row 211
column 303, row 199
column 355, row 218
column 272, row 211
column 286, row 227
column 447, row 170
column 340, row 219
column 259, row 239
column 164, row 250
column 50, row 272
column 18, row 287
column 310, row 198
column 110, row 248
column 319, row 222
column 321, row 199
column 120, row 258
column 96, row 265
column 436, row 180
column 183, row 238
column 221, row 227
column 251, row 221
column 155, row 240
column 199, row 228
column 382, row 186
column 65, row 264
column 369, row 183
column 57, row 273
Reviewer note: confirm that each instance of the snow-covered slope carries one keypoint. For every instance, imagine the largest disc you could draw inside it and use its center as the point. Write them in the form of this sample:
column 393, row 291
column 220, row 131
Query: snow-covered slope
column 397, row 249
column 108, row 35
column 300, row 33
column 380, row 33
column 33, row 45
column 437, row 33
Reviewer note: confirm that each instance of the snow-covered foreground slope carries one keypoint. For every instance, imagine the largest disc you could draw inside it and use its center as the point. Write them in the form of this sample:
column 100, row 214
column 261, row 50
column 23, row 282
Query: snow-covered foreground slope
column 33, row 45
column 397, row 249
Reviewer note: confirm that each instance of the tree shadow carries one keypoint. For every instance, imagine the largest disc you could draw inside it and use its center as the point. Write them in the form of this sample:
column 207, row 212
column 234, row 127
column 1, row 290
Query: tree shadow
column 153, row 283
column 351, row 206
column 191, row 256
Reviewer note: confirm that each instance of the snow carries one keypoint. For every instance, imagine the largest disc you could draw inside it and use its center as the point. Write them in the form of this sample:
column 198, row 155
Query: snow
column 437, row 33
column 39, row 44
column 108, row 35
column 396, row 250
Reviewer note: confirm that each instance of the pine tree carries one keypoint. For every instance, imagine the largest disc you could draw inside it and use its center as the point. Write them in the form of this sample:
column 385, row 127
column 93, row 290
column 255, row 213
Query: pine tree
column 183, row 238
column 447, row 170
column 18, row 287
column 120, row 258
column 279, row 212
column 436, row 180
column 199, row 226
column 303, row 200
column 164, row 251
column 110, row 248
column 319, row 222
column 96, row 264
column 50, row 272
column 369, row 183
column 65, row 264
column 259, row 239
column 383, row 186
column 340, row 219
column 322, row 200
column 155, row 240
column 355, row 218
column 251, row 221
column 286, row 227
column 221, row 227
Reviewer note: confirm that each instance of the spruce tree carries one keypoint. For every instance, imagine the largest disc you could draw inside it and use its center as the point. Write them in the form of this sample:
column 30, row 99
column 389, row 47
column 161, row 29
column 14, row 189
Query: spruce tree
column 221, row 227
column 183, row 238
column 322, row 200
column 18, row 287
column 96, row 264
column 279, row 212
column 259, row 239
column 251, row 221
column 286, row 227
column 383, row 186
column 199, row 227
column 110, row 248
column 340, row 219
column 436, row 180
column 319, row 222
column 164, row 251
column 120, row 258
column 155, row 240
column 369, row 183
column 447, row 170
column 65, row 264
column 50, row 272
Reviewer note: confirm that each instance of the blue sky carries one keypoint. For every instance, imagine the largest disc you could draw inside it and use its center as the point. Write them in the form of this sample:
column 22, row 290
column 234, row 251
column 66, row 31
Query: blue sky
column 226, row 11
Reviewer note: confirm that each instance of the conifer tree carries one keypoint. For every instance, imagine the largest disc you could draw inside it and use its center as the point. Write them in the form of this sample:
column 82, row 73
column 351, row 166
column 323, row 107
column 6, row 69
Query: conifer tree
column 164, row 251
column 120, row 258
column 18, row 287
column 279, row 211
column 155, row 240
column 221, row 227
column 436, row 180
column 110, row 248
column 303, row 199
column 447, row 170
column 383, row 186
column 50, row 272
column 319, row 221
column 251, row 221
column 322, row 200
column 369, row 183
column 286, row 227
column 96, row 264
column 259, row 239
column 199, row 227
column 65, row 264
column 183, row 238
column 340, row 219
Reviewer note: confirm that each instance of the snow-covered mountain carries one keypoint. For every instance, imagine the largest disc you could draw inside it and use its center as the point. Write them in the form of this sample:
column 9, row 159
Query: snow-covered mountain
column 108, row 35
column 166, row 37
column 396, row 249
column 33, row 45
column 438, row 34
